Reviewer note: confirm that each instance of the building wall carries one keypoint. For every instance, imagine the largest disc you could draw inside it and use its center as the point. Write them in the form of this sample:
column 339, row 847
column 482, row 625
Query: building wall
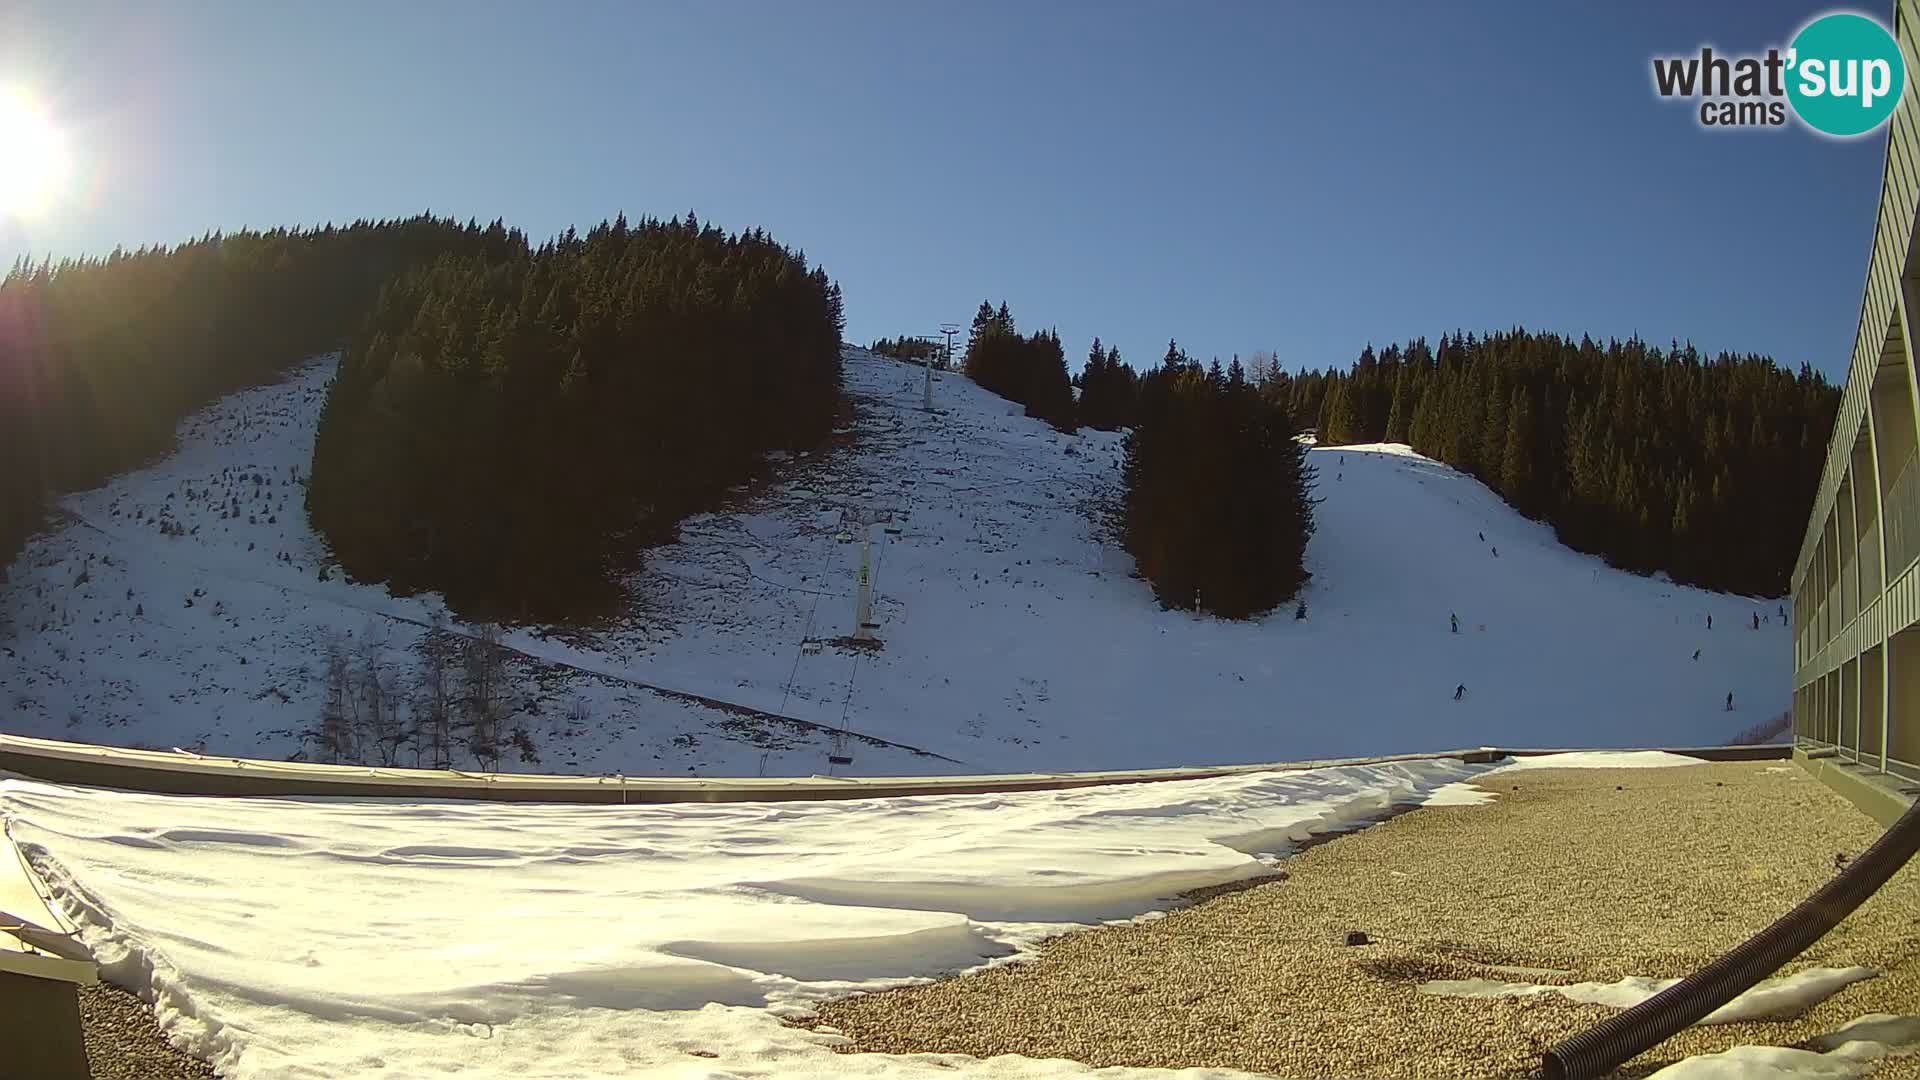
column 1856, row 586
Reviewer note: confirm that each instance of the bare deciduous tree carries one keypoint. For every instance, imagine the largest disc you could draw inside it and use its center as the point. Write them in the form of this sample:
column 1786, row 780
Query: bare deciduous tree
column 483, row 694
column 379, row 707
column 1262, row 366
column 335, row 733
column 433, row 699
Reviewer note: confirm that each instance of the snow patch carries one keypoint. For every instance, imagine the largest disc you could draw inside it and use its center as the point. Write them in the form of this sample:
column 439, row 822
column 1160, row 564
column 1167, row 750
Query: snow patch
column 1602, row 759
column 1850, row 1051
column 1770, row 999
column 1465, row 794
column 1762, row 1063
column 308, row 938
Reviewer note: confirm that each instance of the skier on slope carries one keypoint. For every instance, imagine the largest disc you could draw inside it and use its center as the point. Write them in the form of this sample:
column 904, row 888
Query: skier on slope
column 1460, row 691
column 1709, row 622
column 1729, row 701
column 1453, row 621
column 1756, row 620
column 1696, row 654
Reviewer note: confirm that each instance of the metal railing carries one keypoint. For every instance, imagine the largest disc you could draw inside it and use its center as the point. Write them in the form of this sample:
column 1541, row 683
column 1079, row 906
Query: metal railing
column 182, row 773
column 1871, row 583
column 1900, row 514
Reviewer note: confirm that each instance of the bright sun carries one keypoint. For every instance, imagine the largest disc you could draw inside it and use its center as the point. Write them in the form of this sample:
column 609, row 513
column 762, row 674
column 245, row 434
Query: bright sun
column 33, row 157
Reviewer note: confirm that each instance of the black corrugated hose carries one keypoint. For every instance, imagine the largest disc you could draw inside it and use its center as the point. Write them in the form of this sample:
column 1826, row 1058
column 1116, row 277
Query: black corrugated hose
column 1620, row 1038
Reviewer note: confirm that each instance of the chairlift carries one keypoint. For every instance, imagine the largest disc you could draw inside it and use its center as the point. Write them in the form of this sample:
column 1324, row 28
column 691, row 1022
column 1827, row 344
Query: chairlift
column 838, row 754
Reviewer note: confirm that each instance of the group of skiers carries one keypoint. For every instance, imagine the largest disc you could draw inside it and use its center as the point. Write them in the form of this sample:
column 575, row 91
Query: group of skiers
column 1460, row 691
column 1453, row 626
column 1757, row 618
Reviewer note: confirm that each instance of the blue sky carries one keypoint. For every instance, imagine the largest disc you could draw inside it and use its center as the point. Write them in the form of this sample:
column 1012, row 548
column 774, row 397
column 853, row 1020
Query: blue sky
column 1298, row 177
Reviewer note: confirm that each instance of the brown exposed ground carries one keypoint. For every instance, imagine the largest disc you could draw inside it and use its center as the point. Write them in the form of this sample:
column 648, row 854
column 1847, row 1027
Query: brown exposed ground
column 124, row 1042
column 1599, row 873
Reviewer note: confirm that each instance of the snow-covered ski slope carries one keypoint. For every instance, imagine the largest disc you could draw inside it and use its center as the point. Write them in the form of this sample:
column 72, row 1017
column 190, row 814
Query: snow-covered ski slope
column 1012, row 637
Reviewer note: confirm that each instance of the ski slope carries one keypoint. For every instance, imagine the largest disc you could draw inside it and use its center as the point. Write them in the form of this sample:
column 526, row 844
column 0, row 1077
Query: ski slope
column 1013, row 637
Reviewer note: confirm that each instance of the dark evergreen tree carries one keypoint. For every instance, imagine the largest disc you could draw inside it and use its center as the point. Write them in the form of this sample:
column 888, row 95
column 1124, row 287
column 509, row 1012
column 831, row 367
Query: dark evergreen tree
column 1517, row 454
column 1049, row 391
column 1339, row 421
column 1176, row 359
column 1217, row 509
column 1030, row 370
column 914, row 350
column 982, row 319
column 1108, row 388
column 512, row 427
column 100, row 358
column 1400, row 416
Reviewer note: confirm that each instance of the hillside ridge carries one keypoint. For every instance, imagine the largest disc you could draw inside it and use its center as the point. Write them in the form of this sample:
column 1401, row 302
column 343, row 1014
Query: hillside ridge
column 1012, row 636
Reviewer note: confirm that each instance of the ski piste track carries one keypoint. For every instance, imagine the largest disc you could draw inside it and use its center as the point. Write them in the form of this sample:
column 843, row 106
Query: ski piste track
column 575, row 665
column 181, row 772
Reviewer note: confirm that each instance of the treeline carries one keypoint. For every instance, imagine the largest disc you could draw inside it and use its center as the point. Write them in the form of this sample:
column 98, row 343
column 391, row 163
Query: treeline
column 100, row 358
column 511, row 427
column 1109, row 389
column 1656, row 460
column 1215, row 502
column 1030, row 370
column 1217, row 506
column 916, row 350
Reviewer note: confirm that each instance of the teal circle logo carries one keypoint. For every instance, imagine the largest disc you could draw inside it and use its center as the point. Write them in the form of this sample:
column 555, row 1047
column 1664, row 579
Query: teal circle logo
column 1845, row 74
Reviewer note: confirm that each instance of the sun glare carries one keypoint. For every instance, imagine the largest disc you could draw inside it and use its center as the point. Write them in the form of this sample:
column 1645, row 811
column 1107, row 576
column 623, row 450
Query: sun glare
column 33, row 157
